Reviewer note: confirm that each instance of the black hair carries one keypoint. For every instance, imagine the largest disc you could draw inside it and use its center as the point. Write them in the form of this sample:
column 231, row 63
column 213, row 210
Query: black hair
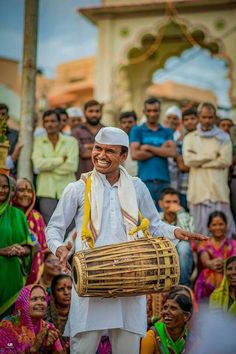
column 49, row 112
column 56, row 279
column 189, row 112
column 168, row 190
column 60, row 110
column 128, row 114
column 152, row 100
column 124, row 150
column 91, row 103
column 207, row 105
column 230, row 260
column 216, row 214
column 184, row 302
column 4, row 106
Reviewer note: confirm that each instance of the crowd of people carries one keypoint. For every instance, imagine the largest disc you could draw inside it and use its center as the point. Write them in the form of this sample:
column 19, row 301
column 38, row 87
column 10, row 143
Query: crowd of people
column 186, row 169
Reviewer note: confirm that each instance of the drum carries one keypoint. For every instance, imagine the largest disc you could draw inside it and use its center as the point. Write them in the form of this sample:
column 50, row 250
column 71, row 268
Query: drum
column 144, row 266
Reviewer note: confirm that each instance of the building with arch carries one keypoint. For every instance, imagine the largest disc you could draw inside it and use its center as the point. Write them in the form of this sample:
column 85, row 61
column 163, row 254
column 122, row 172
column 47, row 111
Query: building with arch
column 137, row 37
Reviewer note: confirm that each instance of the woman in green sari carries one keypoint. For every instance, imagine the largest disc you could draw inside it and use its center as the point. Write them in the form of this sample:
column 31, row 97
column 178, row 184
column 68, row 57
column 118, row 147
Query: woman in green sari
column 224, row 297
column 15, row 249
column 170, row 334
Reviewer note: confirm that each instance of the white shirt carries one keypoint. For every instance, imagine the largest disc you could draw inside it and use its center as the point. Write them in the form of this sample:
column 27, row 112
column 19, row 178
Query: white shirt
column 87, row 314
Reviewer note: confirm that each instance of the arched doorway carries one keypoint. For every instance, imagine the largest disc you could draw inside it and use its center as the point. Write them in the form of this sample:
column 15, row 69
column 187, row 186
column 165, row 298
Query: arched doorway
column 151, row 53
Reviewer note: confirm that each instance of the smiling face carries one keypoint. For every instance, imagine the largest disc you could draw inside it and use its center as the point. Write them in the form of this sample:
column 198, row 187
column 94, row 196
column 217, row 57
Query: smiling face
column 218, row 227
column 38, row 304
column 107, row 158
column 4, row 189
column 173, row 316
column 231, row 273
column 24, row 194
column 63, row 291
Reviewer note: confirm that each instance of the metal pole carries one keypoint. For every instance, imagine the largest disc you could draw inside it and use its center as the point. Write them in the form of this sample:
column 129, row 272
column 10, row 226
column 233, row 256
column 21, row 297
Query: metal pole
column 28, row 88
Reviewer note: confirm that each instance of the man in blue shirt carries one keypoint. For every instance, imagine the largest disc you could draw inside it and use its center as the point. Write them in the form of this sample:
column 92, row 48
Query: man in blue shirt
column 151, row 145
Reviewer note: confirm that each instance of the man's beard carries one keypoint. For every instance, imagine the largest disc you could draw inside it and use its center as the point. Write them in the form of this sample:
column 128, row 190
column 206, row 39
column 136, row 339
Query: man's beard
column 93, row 121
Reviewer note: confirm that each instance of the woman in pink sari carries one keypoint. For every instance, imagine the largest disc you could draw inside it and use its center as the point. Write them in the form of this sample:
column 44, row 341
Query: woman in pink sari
column 212, row 254
column 24, row 199
column 26, row 331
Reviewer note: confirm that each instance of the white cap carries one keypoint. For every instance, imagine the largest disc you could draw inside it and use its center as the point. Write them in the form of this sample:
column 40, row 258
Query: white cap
column 175, row 111
column 74, row 112
column 112, row 136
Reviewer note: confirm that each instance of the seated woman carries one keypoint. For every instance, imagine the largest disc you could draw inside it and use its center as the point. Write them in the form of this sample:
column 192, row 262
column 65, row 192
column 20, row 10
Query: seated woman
column 225, row 296
column 26, row 331
column 170, row 334
column 51, row 269
column 15, row 249
column 213, row 253
column 59, row 307
column 24, row 199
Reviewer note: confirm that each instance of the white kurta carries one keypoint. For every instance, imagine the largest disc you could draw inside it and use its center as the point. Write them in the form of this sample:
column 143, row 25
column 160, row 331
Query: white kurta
column 87, row 314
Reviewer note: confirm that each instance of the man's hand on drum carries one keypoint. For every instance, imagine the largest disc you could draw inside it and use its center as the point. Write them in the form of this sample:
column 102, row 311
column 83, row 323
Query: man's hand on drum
column 62, row 253
column 181, row 234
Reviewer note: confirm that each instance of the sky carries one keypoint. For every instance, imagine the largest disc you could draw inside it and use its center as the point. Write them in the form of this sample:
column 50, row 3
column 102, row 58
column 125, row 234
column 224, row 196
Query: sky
column 64, row 35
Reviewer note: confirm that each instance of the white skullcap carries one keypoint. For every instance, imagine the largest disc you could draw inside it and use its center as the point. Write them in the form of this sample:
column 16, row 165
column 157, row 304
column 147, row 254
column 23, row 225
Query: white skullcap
column 74, row 112
column 112, row 136
column 175, row 111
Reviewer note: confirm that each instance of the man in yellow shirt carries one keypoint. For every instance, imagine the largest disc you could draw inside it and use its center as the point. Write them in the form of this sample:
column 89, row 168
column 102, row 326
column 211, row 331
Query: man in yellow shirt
column 56, row 158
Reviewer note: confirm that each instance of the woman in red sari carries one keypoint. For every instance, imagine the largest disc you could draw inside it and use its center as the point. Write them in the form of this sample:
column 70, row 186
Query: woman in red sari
column 24, row 199
column 26, row 331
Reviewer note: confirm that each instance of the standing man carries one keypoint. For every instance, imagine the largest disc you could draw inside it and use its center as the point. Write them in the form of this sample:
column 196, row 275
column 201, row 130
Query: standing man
column 85, row 134
column 115, row 199
column 208, row 153
column 151, row 145
column 56, row 158
column 190, row 121
column 127, row 121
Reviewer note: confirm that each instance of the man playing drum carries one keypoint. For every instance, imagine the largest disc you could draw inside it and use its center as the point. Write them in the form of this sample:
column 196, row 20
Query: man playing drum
column 113, row 203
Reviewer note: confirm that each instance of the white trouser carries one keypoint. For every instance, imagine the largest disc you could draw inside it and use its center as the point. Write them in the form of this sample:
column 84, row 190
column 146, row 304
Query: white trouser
column 123, row 342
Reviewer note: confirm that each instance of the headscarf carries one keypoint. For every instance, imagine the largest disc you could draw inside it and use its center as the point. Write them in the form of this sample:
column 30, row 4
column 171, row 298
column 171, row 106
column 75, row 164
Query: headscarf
column 5, row 204
column 220, row 297
column 215, row 132
column 175, row 111
column 19, row 329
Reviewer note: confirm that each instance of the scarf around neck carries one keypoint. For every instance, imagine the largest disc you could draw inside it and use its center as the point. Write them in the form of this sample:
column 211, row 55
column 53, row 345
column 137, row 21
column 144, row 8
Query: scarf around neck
column 215, row 132
column 93, row 203
column 166, row 344
column 220, row 297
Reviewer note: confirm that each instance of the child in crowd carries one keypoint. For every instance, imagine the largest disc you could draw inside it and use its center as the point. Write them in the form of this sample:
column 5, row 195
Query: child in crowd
column 175, row 215
column 212, row 254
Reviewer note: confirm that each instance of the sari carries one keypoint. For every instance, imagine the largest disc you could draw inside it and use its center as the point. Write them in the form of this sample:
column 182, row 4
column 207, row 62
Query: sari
column 37, row 233
column 220, row 298
column 158, row 341
column 18, row 332
column 58, row 319
column 13, row 270
column 208, row 280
